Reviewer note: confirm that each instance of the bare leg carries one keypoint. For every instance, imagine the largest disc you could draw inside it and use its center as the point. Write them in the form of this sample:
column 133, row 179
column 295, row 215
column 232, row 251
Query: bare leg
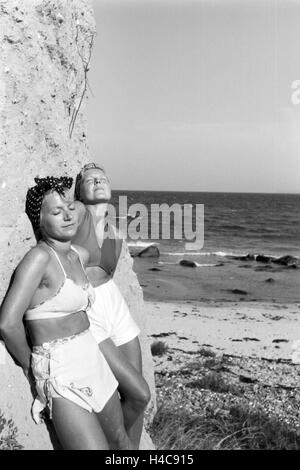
column 133, row 388
column 77, row 428
column 112, row 423
column 132, row 352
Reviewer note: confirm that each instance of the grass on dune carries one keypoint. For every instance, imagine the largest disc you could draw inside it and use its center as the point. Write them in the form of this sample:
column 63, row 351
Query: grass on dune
column 206, row 352
column 238, row 428
column 159, row 348
column 215, row 383
column 8, row 434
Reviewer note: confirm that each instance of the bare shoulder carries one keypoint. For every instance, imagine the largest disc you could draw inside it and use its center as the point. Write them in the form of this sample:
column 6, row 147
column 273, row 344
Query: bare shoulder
column 81, row 209
column 84, row 254
column 37, row 254
column 35, row 260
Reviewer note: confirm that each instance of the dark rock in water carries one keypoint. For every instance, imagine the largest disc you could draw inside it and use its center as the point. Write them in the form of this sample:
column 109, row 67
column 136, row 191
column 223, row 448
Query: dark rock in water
column 187, row 263
column 154, row 269
column 150, row 252
column 292, row 266
column 270, row 279
column 263, row 259
column 280, row 341
column 286, row 260
column 238, row 291
column 247, row 257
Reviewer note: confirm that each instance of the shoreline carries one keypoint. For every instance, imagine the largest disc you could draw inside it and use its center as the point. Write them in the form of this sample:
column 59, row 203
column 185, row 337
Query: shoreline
column 230, row 281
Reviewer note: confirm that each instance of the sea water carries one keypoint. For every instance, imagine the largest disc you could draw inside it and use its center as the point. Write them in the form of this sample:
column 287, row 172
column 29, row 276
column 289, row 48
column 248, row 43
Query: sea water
column 235, row 225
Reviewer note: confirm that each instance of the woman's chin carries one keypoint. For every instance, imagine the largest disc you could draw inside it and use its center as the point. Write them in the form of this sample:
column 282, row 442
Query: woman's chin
column 98, row 200
column 101, row 195
column 68, row 235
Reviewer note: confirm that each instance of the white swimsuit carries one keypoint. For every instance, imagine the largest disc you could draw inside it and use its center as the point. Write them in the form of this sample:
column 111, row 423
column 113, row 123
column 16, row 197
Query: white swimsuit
column 70, row 298
column 72, row 367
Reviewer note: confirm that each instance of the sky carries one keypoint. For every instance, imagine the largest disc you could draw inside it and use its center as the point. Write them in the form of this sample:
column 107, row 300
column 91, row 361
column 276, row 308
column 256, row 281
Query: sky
column 196, row 95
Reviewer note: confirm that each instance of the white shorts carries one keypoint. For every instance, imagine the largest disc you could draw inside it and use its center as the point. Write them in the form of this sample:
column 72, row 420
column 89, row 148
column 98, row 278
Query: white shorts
column 73, row 368
column 110, row 317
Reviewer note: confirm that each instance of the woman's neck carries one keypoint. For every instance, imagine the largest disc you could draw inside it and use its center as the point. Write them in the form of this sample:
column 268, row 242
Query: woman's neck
column 98, row 211
column 59, row 246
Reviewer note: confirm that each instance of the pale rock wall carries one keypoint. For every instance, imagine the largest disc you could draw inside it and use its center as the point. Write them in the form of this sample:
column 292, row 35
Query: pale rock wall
column 45, row 48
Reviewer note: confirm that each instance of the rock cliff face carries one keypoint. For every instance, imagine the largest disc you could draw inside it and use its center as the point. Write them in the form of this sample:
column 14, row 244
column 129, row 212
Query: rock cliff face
column 127, row 281
column 45, row 49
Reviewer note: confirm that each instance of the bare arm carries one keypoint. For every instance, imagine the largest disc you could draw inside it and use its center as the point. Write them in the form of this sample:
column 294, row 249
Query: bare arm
column 28, row 276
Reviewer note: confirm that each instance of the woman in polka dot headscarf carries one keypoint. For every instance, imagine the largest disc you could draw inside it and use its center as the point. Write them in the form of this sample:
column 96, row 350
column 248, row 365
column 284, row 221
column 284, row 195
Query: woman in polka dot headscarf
column 51, row 292
column 36, row 194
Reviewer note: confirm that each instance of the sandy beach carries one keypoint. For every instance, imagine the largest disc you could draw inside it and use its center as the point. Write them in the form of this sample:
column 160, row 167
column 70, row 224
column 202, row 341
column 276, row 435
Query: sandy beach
column 227, row 366
column 238, row 328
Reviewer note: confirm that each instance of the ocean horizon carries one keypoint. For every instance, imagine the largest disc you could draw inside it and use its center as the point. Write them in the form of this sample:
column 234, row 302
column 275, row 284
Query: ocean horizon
column 243, row 234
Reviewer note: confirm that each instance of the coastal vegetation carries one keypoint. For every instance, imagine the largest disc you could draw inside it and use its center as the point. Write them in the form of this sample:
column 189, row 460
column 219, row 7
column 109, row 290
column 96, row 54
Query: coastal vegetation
column 8, row 434
column 226, row 402
column 159, row 348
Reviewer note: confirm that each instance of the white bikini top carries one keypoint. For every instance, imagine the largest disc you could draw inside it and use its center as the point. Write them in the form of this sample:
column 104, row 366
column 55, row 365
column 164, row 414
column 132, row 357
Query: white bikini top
column 70, row 298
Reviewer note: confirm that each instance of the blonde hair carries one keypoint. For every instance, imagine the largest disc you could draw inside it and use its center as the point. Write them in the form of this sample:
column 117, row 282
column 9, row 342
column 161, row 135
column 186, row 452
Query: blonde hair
column 88, row 166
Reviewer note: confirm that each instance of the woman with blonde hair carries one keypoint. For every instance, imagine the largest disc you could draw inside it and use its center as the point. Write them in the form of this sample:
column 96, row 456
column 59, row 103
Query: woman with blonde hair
column 111, row 322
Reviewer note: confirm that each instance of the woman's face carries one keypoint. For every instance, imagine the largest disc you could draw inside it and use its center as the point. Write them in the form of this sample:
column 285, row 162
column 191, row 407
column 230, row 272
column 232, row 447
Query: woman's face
column 59, row 216
column 95, row 187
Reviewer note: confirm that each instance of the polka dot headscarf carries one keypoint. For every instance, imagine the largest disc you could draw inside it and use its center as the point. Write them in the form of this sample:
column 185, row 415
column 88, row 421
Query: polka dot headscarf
column 88, row 166
column 35, row 195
